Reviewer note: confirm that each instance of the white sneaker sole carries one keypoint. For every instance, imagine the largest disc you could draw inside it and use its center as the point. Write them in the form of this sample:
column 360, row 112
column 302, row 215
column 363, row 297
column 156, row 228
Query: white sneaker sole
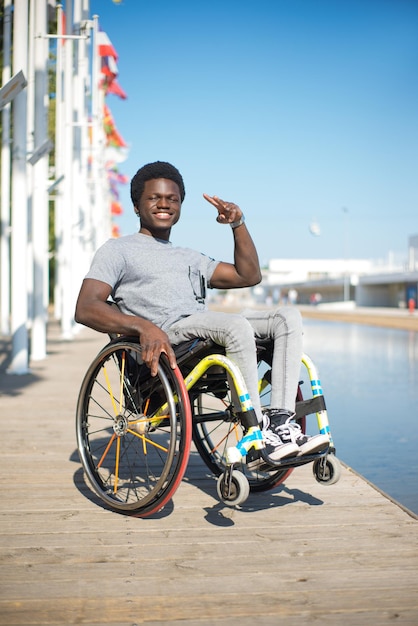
column 314, row 444
column 282, row 452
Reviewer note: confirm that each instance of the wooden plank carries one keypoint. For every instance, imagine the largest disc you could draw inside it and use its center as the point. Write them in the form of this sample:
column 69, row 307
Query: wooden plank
column 190, row 608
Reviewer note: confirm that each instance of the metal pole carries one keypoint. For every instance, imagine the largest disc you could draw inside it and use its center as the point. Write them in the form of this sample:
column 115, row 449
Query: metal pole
column 59, row 166
column 95, row 133
column 101, row 212
column 5, row 181
column 86, row 73
column 67, row 204
column 80, row 159
column 19, row 241
column 346, row 270
column 40, row 219
column 30, row 147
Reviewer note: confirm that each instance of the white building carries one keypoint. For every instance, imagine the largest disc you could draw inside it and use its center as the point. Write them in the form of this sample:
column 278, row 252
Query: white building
column 291, row 271
column 361, row 282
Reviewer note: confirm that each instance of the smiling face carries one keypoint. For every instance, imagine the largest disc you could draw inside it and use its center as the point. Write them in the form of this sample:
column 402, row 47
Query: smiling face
column 159, row 207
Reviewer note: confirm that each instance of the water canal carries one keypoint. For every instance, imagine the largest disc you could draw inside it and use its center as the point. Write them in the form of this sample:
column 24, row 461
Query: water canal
column 370, row 381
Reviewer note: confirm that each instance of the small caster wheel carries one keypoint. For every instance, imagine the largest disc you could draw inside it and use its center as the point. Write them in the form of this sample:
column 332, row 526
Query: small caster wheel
column 239, row 492
column 327, row 470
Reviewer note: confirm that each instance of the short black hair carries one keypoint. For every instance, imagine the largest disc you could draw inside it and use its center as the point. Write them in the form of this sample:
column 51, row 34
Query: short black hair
column 159, row 169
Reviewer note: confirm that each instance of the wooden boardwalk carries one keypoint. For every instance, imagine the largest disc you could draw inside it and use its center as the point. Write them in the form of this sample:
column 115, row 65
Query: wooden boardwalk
column 302, row 554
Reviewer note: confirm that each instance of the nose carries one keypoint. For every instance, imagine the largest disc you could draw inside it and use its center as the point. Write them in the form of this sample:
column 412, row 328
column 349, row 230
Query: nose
column 162, row 202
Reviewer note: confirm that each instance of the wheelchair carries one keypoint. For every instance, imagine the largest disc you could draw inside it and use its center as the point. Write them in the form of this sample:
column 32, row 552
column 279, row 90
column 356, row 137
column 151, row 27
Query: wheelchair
column 135, row 431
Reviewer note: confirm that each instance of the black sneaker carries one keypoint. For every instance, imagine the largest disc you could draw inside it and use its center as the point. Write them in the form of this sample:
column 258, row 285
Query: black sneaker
column 290, row 432
column 275, row 448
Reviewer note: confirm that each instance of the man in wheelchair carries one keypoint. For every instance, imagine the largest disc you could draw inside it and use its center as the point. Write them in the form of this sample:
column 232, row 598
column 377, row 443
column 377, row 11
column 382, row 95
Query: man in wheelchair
column 160, row 292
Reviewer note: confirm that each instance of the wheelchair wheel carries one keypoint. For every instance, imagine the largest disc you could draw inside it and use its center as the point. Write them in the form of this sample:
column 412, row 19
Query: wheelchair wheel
column 239, row 489
column 217, row 427
column 327, row 470
column 133, row 430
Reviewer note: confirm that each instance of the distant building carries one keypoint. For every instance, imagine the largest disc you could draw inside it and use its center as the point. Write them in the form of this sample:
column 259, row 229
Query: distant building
column 413, row 253
column 358, row 282
column 290, row 271
column 313, row 280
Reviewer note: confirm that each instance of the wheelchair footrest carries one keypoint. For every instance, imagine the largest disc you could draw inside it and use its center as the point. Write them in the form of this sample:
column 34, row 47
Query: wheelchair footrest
column 288, row 462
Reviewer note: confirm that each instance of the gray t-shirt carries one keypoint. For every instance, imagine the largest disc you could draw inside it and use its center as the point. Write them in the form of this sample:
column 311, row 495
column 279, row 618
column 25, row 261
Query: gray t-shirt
column 152, row 278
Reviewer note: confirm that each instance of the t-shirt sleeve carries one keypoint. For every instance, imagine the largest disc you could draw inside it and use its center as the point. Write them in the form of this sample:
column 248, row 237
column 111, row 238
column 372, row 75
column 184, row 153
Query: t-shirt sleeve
column 211, row 265
column 107, row 264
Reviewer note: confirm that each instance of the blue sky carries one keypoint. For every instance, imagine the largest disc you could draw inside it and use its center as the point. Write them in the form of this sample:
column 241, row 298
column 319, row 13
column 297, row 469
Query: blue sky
column 299, row 111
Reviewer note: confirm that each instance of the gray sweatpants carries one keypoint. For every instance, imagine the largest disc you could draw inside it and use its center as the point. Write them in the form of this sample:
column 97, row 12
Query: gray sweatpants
column 237, row 334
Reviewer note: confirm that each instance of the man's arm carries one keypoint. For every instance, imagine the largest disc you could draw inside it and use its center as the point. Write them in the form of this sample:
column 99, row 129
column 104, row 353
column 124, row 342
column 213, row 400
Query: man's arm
column 92, row 310
column 245, row 271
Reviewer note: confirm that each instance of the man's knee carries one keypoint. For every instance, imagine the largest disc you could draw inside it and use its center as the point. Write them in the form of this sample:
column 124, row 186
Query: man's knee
column 240, row 330
column 291, row 317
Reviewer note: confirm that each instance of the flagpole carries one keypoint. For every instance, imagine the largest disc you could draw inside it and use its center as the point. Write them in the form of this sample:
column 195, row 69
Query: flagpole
column 101, row 221
column 30, row 148
column 67, row 312
column 59, row 166
column 5, row 181
column 40, row 219
column 88, row 235
column 19, row 217
column 81, row 231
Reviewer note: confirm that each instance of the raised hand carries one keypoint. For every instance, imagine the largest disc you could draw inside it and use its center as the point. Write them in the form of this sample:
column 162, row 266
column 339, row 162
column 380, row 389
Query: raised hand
column 228, row 212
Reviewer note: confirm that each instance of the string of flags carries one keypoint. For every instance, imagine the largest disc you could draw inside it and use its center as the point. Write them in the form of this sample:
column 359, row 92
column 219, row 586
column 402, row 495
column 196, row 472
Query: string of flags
column 116, row 147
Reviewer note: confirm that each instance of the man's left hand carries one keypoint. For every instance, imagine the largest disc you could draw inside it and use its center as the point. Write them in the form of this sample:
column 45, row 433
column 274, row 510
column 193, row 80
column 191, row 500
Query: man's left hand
column 228, row 212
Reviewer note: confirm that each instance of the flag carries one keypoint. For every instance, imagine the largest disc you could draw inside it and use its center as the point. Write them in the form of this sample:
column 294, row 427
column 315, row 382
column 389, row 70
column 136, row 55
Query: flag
column 114, row 193
column 118, row 155
column 63, row 26
column 115, row 178
column 114, row 175
column 116, row 208
column 116, row 149
column 116, row 89
column 105, row 47
column 115, row 230
column 113, row 138
column 108, row 66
